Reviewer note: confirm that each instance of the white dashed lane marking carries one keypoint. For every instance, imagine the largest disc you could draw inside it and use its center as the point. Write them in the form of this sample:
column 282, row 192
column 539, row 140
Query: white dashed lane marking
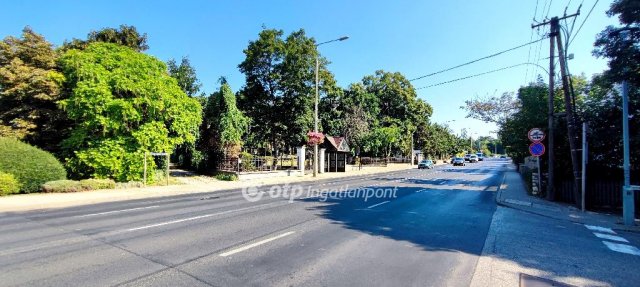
column 610, row 237
column 623, row 248
column 599, row 229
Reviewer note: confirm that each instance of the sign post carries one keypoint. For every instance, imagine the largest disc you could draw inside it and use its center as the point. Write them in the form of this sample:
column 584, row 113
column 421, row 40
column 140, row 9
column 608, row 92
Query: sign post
column 537, row 149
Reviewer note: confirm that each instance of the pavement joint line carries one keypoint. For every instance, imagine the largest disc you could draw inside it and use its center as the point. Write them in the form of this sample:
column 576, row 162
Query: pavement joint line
column 610, row 237
column 378, row 204
column 622, row 248
column 252, row 245
column 196, row 217
column 117, row 211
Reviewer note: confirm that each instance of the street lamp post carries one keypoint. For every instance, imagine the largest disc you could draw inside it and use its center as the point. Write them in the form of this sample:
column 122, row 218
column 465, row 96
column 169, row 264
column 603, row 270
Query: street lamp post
column 315, row 114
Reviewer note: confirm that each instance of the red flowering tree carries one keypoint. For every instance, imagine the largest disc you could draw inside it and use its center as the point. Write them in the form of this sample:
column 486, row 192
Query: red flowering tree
column 315, row 138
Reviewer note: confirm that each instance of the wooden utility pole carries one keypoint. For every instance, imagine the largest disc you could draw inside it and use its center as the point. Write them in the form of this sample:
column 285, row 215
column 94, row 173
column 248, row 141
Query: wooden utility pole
column 554, row 36
column 571, row 123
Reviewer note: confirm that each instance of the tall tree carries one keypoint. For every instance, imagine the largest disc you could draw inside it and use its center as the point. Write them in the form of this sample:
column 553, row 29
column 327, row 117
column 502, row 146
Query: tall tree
column 30, row 85
column 124, row 35
column 186, row 76
column 622, row 48
column 124, row 104
column 279, row 90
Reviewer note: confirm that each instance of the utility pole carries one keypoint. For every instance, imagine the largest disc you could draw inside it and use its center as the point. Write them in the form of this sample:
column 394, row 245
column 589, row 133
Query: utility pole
column 571, row 122
column 554, row 33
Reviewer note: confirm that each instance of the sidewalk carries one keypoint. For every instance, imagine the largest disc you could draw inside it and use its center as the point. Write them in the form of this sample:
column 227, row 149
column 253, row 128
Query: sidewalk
column 35, row 201
column 513, row 194
column 553, row 244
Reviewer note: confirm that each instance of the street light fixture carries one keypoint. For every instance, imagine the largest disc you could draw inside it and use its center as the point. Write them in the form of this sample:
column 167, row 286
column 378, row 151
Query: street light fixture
column 315, row 114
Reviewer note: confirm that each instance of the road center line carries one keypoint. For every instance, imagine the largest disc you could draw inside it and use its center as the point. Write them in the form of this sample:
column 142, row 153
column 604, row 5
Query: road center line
column 196, row 217
column 377, row 204
column 252, row 245
column 116, row 211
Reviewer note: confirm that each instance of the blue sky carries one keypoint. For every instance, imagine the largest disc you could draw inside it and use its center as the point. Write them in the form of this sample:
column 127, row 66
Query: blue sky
column 412, row 37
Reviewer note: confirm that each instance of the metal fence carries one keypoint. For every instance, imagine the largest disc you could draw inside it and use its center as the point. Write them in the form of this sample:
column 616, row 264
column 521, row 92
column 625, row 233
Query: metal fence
column 603, row 195
column 258, row 163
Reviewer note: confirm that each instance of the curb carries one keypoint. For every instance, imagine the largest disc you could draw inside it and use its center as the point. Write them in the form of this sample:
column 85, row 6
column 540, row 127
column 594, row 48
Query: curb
column 545, row 213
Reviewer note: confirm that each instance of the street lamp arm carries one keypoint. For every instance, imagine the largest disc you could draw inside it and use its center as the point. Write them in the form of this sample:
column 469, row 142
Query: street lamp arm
column 334, row 40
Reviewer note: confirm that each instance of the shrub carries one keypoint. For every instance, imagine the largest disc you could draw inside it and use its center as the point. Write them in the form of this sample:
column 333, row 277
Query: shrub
column 227, row 176
column 62, row 186
column 93, row 184
column 8, row 184
column 29, row 165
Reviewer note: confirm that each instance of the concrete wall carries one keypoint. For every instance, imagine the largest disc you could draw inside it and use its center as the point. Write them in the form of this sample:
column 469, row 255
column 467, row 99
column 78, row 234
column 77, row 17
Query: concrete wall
column 243, row 176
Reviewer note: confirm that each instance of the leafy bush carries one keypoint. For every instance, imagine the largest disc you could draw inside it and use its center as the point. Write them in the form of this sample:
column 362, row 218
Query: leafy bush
column 227, row 176
column 93, row 184
column 8, row 184
column 29, row 165
column 62, row 186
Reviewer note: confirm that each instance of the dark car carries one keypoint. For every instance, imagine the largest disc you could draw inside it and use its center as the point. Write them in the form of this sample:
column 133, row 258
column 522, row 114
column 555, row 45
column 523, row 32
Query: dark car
column 425, row 164
column 458, row 161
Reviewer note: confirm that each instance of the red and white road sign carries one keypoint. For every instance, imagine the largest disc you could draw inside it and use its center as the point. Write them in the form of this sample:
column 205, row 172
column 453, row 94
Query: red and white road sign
column 536, row 135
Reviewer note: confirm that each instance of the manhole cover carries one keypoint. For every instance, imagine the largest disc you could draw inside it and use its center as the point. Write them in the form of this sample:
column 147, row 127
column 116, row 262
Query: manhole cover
column 527, row 280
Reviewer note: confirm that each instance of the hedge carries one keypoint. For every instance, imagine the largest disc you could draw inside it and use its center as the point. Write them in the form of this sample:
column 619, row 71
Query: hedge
column 8, row 184
column 77, row 186
column 29, row 165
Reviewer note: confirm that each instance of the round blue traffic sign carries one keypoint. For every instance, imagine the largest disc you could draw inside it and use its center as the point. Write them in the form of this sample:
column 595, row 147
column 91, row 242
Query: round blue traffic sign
column 536, row 149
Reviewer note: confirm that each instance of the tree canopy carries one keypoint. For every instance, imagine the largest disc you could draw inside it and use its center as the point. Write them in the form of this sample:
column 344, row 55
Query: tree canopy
column 124, row 104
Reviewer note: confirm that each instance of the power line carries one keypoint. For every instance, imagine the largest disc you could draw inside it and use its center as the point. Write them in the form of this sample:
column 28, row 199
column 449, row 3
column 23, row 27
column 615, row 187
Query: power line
column 476, row 75
column 585, row 20
column 477, row 60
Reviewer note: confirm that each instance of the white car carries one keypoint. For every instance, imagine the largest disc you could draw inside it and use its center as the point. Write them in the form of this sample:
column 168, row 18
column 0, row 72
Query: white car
column 473, row 158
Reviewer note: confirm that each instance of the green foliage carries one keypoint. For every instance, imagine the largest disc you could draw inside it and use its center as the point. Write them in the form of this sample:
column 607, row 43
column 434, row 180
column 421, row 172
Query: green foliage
column 125, row 35
column 95, row 183
column 382, row 139
column 492, row 109
column 62, row 186
column 8, row 184
column 30, row 85
column 125, row 104
column 227, row 177
column 29, row 165
column 621, row 48
column 186, row 76
column 279, row 91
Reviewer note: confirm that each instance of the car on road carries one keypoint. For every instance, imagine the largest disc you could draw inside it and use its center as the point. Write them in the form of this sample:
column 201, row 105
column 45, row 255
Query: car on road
column 503, row 156
column 480, row 156
column 458, row 161
column 467, row 157
column 426, row 164
column 473, row 158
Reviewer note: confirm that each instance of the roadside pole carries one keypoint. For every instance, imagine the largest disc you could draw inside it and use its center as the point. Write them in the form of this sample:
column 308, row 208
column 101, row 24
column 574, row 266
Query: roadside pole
column 627, row 194
column 584, row 164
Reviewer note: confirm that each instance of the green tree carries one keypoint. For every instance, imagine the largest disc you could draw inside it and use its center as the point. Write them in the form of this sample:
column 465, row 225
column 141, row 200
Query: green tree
column 124, row 35
column 227, row 122
column 186, row 76
column 279, row 91
column 622, row 48
column 382, row 140
column 30, row 85
column 186, row 155
column 124, row 104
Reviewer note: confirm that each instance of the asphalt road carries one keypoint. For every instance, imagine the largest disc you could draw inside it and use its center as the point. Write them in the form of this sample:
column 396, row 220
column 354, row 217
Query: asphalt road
column 429, row 232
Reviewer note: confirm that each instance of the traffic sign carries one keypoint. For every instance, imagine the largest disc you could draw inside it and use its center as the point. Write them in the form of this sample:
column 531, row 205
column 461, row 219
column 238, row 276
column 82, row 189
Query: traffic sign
column 536, row 135
column 536, row 149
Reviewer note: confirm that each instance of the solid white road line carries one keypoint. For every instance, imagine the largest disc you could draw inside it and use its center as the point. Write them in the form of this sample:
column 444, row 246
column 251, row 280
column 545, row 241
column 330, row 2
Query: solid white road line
column 197, row 217
column 624, row 248
column 252, row 245
column 611, row 237
column 377, row 204
column 116, row 211
column 599, row 229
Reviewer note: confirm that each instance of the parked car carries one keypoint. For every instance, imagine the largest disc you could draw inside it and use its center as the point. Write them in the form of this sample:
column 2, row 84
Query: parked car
column 458, row 161
column 480, row 156
column 426, row 163
column 467, row 157
column 503, row 156
column 473, row 158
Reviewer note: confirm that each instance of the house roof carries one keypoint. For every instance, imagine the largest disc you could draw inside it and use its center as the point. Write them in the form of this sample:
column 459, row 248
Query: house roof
column 337, row 143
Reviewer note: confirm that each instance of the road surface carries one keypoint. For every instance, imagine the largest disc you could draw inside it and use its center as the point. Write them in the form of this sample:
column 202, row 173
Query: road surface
column 430, row 233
